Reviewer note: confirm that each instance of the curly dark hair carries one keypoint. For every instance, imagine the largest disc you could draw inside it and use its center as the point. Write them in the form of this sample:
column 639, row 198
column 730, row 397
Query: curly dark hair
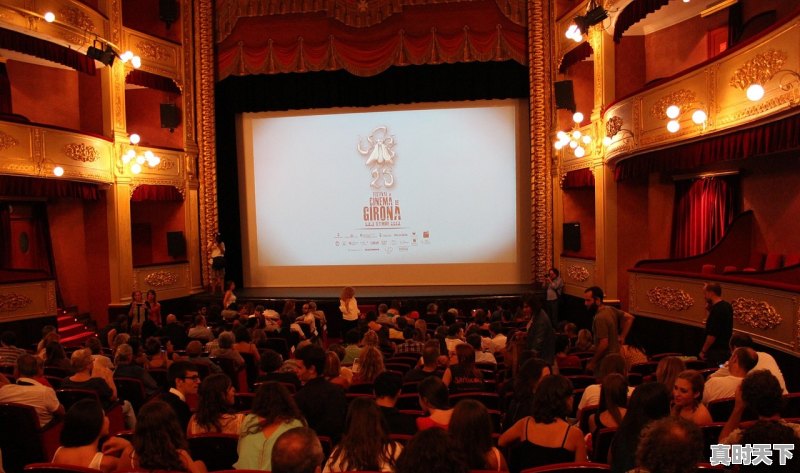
column 670, row 445
column 431, row 451
column 157, row 437
column 771, row 432
column 213, row 402
column 471, row 428
column 528, row 377
column 273, row 403
column 762, row 393
column 434, row 392
column 551, row 400
column 365, row 445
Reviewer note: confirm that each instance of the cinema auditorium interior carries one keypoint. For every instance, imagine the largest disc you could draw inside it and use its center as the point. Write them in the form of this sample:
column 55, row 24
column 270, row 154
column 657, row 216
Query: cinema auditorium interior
column 308, row 236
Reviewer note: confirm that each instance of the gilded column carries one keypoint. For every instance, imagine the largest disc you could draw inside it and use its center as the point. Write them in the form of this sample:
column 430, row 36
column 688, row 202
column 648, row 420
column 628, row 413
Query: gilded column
column 120, row 257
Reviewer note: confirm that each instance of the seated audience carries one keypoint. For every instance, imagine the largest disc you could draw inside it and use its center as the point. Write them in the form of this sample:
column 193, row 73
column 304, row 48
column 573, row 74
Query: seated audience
column 351, row 348
column 528, row 377
column 668, row 369
column 159, row 443
column 765, row 360
column 613, row 403
column 545, row 437
column 8, row 352
column 200, row 330
column 471, row 428
column 195, row 354
column 30, row 392
column 322, row 403
column 773, row 433
column 55, row 357
column 563, row 360
column 611, row 363
column 669, row 445
column 649, row 402
column 297, row 451
column 274, row 412
column 226, row 350
column 741, row 362
column 156, row 357
column 334, row 371
column 101, row 382
column 126, row 369
column 571, row 331
column 175, row 332
column 271, row 366
column 584, row 341
column 184, row 380
column 463, row 375
column 541, row 335
column 413, row 341
column 244, row 343
column 496, row 342
column 387, row 388
column 430, row 364
column 215, row 413
column 434, row 400
column 632, row 351
column 84, row 425
column 476, row 342
column 431, row 451
column 687, row 396
column 370, row 365
column 365, row 445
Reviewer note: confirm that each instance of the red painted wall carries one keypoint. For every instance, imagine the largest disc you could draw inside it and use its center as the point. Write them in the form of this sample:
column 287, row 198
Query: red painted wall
column 769, row 188
column 582, row 77
column 142, row 15
column 143, row 112
column 579, row 207
column 162, row 217
column 91, row 103
column 629, row 64
column 680, row 46
column 45, row 95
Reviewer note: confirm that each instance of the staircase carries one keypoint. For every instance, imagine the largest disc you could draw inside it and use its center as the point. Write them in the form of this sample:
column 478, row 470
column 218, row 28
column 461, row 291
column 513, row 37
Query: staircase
column 72, row 331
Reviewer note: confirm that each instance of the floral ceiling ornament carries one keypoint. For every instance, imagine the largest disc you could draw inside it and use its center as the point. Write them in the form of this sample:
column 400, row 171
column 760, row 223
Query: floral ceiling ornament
column 81, row 152
column 670, row 298
column 756, row 314
column 577, row 273
column 7, row 141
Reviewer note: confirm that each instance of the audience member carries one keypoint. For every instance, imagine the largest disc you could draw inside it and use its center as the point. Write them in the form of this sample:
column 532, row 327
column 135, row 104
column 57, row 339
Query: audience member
column 528, row 377
column 195, row 354
column 30, row 392
column 541, row 335
column 497, row 339
column 126, row 369
column 432, row 451
column 719, row 325
column 8, row 352
column 463, row 375
column 55, row 357
column 156, row 357
column 274, row 412
column 613, row 363
column 348, row 306
column 244, row 344
column 545, row 437
column 741, row 362
column 297, row 451
column 175, row 332
column 430, row 364
column 633, row 352
column 554, row 286
column 649, row 402
column 765, row 360
column 334, row 371
column 613, row 403
column 773, row 433
column 610, row 326
column 200, row 330
column 668, row 369
column 370, row 365
column 351, row 348
column 669, row 445
column 99, row 381
column 386, row 388
column 476, row 342
column 471, row 428
column 322, row 403
column 414, row 341
column 563, row 360
column 571, row 331
column 583, row 341
column 687, row 396
column 365, row 445
column 226, row 350
column 184, row 380
column 215, row 413
column 434, row 400
column 271, row 364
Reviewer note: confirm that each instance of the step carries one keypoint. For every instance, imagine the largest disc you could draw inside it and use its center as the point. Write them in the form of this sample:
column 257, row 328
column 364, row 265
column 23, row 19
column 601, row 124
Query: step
column 71, row 330
column 76, row 340
column 65, row 320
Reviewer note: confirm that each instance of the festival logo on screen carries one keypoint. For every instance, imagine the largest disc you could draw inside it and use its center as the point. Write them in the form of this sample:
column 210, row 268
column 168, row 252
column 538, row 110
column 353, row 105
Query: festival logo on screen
column 383, row 209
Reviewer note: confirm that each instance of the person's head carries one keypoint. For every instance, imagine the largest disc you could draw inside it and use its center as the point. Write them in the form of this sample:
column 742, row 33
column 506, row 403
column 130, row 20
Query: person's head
column 151, row 295
column 94, row 345
column 226, row 340
column 230, row 285
column 474, row 340
column 688, row 389
column 584, row 340
column 649, row 401
column 496, row 328
column 432, row 308
column 270, row 361
column 762, row 393
column 771, row 432
column 593, row 297
column 471, row 428
column 241, row 334
column 387, row 385
column 528, row 377
column 371, row 364
column 430, row 354
column 370, row 339
column 429, row 451
column 466, row 357
column 668, row 369
column 124, row 355
column 297, row 451
column 28, row 366
column 612, row 363
column 333, row 365
column 351, row 337
column 553, row 399
column 158, row 436
column 54, row 352
column 740, row 339
column 84, row 424
column 51, row 337
column 199, row 321
column 433, row 394
column 562, row 344
column 194, row 349
column 570, row 330
column 347, row 293
column 712, row 291
column 152, row 346
column 216, row 397
column 137, row 297
column 172, row 319
column 366, row 437
column 670, row 445
column 312, row 306
column 383, row 308
column 310, row 362
column 273, row 403
column 614, row 396
column 553, row 273
column 742, row 361
column 82, row 360
column 183, row 377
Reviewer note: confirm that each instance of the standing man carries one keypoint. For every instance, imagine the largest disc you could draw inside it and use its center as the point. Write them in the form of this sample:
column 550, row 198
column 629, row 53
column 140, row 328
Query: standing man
column 555, row 287
column 610, row 326
column 719, row 326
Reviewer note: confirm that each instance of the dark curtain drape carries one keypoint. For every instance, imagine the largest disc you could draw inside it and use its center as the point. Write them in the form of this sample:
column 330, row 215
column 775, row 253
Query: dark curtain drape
column 155, row 193
column 5, row 90
column 31, row 187
column 152, row 81
column 5, row 236
column 703, row 210
column 576, row 55
column 43, row 244
column 635, row 12
column 46, row 50
column 578, row 179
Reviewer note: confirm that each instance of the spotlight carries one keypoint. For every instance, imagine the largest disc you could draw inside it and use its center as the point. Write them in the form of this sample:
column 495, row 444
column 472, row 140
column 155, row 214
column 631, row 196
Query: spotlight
column 105, row 56
column 594, row 15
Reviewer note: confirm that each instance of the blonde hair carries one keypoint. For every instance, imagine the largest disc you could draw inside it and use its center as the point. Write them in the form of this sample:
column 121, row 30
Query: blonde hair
column 81, row 359
column 370, row 339
column 668, row 369
column 371, row 364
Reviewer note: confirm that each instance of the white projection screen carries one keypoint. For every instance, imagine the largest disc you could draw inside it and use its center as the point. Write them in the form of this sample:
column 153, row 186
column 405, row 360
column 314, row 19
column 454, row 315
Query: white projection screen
column 413, row 195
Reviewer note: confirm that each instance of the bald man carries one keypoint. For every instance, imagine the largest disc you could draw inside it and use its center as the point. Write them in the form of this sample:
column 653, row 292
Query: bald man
column 297, row 451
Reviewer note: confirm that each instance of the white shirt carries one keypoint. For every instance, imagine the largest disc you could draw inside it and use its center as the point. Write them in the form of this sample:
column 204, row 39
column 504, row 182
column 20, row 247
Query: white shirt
column 178, row 393
column 765, row 362
column 35, row 394
column 484, row 357
column 591, row 395
column 720, row 387
column 349, row 309
column 496, row 344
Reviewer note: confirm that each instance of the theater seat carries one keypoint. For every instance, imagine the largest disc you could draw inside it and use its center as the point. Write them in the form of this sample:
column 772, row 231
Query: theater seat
column 57, row 468
column 217, row 451
column 708, row 269
column 573, row 467
column 729, row 269
column 26, row 442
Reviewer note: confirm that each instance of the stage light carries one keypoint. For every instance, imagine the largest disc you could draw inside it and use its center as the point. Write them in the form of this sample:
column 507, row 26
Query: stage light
column 673, row 111
column 105, row 56
column 577, row 117
column 561, row 135
column 58, row 171
column 51, row 17
column 136, row 62
column 673, row 126
column 755, row 92
column 594, row 15
column 699, row 117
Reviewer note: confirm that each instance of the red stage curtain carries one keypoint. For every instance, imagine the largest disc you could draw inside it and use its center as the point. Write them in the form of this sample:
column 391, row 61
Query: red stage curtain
column 152, row 81
column 577, row 179
column 32, row 187
column 704, row 208
column 634, row 13
column 46, row 50
column 155, row 193
column 574, row 56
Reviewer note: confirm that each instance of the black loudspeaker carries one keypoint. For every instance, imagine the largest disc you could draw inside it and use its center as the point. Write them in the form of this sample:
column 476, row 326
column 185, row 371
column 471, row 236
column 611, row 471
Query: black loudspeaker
column 176, row 244
column 565, row 97
column 170, row 116
column 572, row 236
column 168, row 11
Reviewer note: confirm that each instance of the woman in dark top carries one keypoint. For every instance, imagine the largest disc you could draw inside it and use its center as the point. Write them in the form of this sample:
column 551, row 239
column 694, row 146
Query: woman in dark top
column 649, row 402
column 464, row 375
column 545, row 438
column 84, row 378
column 471, row 428
column 613, row 403
column 528, row 377
column 56, row 358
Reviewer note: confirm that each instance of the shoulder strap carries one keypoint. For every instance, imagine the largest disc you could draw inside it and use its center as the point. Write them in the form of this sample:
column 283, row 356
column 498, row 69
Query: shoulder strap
column 566, row 433
column 527, row 421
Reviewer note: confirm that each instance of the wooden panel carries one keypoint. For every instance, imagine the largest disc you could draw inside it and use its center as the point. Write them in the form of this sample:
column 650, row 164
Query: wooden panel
column 169, row 281
column 578, row 274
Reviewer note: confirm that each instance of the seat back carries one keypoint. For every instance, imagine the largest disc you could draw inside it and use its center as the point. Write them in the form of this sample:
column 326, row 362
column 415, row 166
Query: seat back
column 721, row 409
column 161, row 378
column 584, row 414
column 217, row 451
column 131, row 390
column 56, row 371
column 70, row 396
column 251, row 367
column 361, row 388
column 602, row 444
column 23, row 443
column 279, row 345
column 573, row 467
column 489, row 400
column 243, row 402
column 57, row 468
column 710, row 436
column 791, row 405
column 581, row 381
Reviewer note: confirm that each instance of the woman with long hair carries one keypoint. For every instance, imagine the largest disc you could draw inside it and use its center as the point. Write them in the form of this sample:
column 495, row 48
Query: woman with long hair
column 650, row 401
column 687, row 394
column 215, row 413
column 274, row 412
column 56, row 357
column 365, row 445
column 370, row 365
column 84, row 425
column 528, row 377
column 333, row 370
column 159, row 442
column 155, row 307
column 435, row 402
column 348, row 305
column 431, row 451
column 613, row 403
column 471, row 428
column 156, row 357
column 668, row 369
column 464, row 375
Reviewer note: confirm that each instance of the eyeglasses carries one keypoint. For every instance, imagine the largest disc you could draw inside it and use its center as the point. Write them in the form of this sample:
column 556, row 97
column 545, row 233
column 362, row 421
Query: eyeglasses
column 193, row 378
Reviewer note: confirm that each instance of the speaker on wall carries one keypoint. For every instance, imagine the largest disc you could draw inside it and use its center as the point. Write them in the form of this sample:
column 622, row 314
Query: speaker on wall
column 170, row 116
column 572, row 236
column 176, row 244
column 168, row 11
column 565, row 97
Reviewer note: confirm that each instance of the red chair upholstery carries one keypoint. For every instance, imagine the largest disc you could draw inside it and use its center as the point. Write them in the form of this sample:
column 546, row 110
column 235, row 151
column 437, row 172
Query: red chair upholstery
column 402, row 439
column 57, row 468
column 26, row 442
column 582, row 381
column 583, row 417
column 773, row 261
column 791, row 259
column 582, row 467
column 217, row 451
column 131, row 390
column 710, row 436
column 601, row 444
column 644, row 369
column 708, row 269
column 489, row 400
column 729, row 269
column 408, row 401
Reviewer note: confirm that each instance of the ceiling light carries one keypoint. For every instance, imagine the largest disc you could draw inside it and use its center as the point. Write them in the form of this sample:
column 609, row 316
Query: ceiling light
column 136, row 168
column 576, row 134
column 699, row 117
column 673, row 126
column 51, row 17
column 58, row 171
column 673, row 111
column 586, row 139
column 559, row 145
column 136, row 62
column 606, row 140
column 573, row 144
column 755, row 92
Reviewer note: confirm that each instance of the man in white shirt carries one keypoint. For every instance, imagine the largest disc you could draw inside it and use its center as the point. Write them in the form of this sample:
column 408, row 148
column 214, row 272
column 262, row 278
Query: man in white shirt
column 741, row 362
column 765, row 360
column 497, row 341
column 30, row 392
column 481, row 356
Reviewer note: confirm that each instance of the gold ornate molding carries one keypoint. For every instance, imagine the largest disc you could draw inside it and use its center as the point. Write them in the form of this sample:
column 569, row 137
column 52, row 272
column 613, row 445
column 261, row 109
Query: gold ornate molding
column 155, row 51
column 760, row 69
column 12, row 302
column 755, row 313
column 670, row 298
column 81, row 152
column 75, row 17
column 7, row 141
column 614, row 125
column 578, row 273
column 682, row 98
column 161, row 279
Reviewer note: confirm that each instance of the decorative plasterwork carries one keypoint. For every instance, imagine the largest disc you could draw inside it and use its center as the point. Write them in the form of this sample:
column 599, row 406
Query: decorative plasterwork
column 578, row 273
column 155, row 52
column 81, row 152
column 7, row 141
column 682, row 98
column 756, row 314
column 670, row 298
column 12, row 302
column 759, row 70
column 75, row 17
column 614, row 125
column 179, row 186
column 161, row 279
